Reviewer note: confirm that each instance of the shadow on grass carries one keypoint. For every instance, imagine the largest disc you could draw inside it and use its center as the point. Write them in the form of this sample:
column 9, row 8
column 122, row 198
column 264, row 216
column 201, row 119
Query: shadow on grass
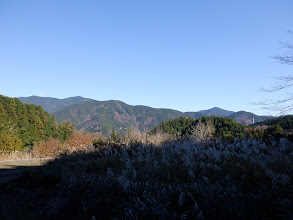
column 178, row 180
column 11, row 172
column 19, row 200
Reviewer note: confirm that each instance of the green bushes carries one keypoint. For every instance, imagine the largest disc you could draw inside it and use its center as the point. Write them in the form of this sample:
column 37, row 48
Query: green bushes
column 286, row 122
column 225, row 128
column 99, row 142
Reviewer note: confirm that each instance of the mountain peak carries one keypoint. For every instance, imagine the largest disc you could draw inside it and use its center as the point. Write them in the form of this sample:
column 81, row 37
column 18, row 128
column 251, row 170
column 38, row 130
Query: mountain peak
column 216, row 111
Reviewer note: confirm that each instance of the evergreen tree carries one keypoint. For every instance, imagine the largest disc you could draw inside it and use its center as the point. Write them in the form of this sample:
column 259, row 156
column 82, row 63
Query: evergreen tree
column 113, row 135
column 22, row 125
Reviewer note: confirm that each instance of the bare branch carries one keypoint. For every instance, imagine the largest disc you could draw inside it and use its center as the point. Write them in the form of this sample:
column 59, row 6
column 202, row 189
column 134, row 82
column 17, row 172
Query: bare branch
column 284, row 84
column 284, row 59
column 286, row 45
column 278, row 102
column 277, row 88
column 285, row 78
column 278, row 106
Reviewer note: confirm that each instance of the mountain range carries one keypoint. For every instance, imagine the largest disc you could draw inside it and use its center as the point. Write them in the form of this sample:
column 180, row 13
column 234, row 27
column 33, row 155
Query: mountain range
column 103, row 116
column 53, row 104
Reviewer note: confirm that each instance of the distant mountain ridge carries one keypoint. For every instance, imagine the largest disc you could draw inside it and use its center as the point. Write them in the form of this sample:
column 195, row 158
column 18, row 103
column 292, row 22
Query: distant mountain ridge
column 103, row 116
column 246, row 118
column 53, row 104
column 91, row 115
column 285, row 122
column 217, row 112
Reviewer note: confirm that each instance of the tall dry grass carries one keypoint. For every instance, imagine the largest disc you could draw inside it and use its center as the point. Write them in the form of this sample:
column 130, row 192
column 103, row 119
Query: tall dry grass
column 82, row 141
column 17, row 155
column 247, row 179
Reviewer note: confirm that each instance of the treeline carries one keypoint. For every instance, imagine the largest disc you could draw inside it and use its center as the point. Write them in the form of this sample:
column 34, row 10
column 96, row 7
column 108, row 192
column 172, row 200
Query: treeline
column 183, row 127
column 226, row 128
column 286, row 122
column 23, row 125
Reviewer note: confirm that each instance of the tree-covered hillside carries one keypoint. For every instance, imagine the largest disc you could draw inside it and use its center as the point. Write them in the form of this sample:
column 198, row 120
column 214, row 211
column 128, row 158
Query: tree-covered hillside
column 286, row 122
column 53, row 104
column 22, row 125
column 224, row 127
column 195, row 115
column 105, row 116
column 217, row 112
column 246, row 118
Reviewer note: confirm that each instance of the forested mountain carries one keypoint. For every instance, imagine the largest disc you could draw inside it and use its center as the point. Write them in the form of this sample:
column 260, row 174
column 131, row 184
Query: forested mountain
column 22, row 125
column 53, row 104
column 91, row 115
column 285, row 122
column 182, row 127
column 104, row 116
column 246, row 118
column 217, row 112
column 194, row 115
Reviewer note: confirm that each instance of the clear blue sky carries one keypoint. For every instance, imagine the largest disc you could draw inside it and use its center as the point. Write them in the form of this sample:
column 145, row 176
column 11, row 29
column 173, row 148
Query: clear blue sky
column 185, row 55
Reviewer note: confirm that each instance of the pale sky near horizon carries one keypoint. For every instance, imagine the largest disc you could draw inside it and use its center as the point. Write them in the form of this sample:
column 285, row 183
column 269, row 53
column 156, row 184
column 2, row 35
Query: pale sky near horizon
column 184, row 55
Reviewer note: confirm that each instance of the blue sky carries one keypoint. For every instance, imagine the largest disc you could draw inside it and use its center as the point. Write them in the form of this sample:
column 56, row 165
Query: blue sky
column 184, row 55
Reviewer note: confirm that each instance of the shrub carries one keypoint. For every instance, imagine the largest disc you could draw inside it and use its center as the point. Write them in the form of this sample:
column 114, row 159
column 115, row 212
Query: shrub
column 53, row 147
column 80, row 140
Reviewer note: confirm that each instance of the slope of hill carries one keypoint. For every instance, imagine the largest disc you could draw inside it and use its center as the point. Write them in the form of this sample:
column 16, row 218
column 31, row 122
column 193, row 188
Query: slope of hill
column 22, row 125
column 107, row 115
column 224, row 127
column 195, row 115
column 53, row 104
column 286, row 122
column 246, row 118
column 217, row 112
column 91, row 115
